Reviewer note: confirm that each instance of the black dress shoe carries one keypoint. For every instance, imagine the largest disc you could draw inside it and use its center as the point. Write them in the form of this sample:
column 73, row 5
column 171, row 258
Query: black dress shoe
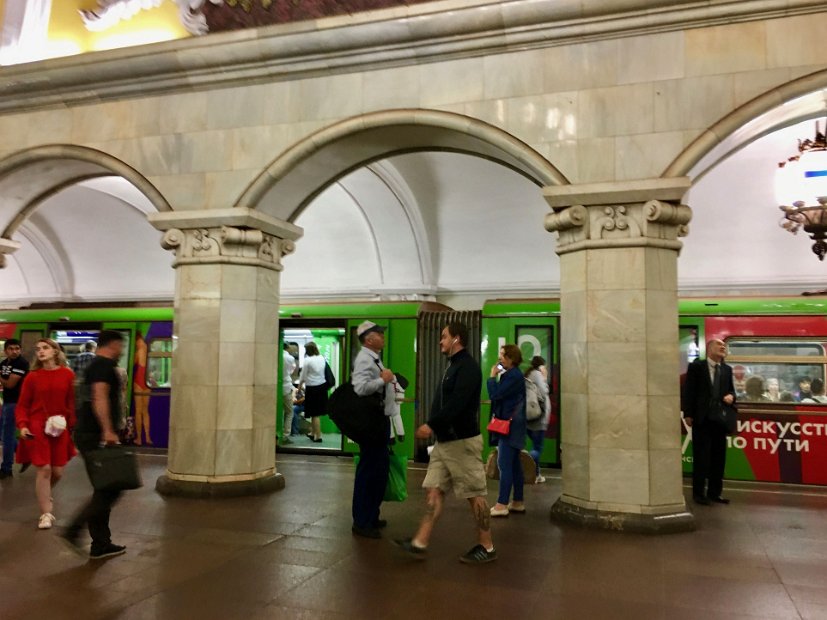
column 5, row 474
column 25, row 466
column 366, row 532
column 719, row 500
column 701, row 500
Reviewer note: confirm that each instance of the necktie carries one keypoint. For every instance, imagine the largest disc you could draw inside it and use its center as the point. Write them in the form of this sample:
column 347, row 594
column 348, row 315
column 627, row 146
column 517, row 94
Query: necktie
column 716, row 383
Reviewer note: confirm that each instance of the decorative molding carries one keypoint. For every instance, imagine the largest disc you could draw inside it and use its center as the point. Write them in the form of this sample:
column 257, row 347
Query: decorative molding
column 428, row 32
column 619, row 215
column 226, row 244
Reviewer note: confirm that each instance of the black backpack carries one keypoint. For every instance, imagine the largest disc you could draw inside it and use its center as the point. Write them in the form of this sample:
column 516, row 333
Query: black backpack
column 360, row 418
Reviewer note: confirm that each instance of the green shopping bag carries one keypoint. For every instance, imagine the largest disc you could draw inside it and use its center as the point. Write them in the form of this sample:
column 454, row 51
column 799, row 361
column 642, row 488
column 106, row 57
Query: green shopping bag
column 397, row 489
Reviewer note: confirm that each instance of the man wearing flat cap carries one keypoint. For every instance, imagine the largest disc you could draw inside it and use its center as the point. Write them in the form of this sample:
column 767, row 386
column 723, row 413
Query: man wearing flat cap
column 370, row 377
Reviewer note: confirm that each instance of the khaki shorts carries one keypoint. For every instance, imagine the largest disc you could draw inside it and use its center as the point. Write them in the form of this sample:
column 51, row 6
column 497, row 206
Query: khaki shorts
column 457, row 465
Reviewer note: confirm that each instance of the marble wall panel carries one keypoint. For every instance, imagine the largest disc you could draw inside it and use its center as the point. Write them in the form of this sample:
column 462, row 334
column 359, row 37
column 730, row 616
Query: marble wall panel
column 693, row 103
column 455, row 81
column 615, row 268
column 183, row 112
column 238, row 321
column 193, row 406
column 619, row 110
column 198, row 320
column 619, row 476
column 264, row 405
column 45, row 127
column 144, row 118
column 576, row 482
column 562, row 155
column 617, row 368
column 664, row 416
column 661, row 317
column 646, row 156
column 616, row 315
column 618, row 422
column 266, row 360
column 195, row 363
column 102, row 120
column 267, row 285
column 387, row 89
column 573, row 272
column 225, row 187
column 199, row 281
column 514, row 75
column 665, row 477
column 161, row 155
column 192, row 452
column 239, row 282
column 751, row 84
column 573, row 306
column 236, row 361
column 266, row 328
column 283, row 103
column 264, row 449
column 650, row 58
column 493, row 111
column 661, row 269
column 663, row 368
column 574, row 370
column 543, row 118
column 585, row 65
column 233, row 452
column 331, row 97
column 234, row 107
column 255, row 148
column 183, row 191
column 595, row 160
column 726, row 49
column 206, row 151
column 796, row 41
column 235, row 407
column 576, row 428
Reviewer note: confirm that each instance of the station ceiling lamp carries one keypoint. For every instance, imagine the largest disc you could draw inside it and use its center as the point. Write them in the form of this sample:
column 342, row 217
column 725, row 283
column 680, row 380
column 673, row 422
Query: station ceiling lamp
column 801, row 188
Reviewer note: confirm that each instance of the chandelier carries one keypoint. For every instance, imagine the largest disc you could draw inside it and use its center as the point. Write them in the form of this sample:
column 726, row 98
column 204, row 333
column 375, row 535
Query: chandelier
column 801, row 188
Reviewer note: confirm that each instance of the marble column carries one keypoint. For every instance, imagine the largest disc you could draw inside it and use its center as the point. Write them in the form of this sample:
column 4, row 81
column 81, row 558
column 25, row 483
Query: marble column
column 618, row 245
column 225, row 360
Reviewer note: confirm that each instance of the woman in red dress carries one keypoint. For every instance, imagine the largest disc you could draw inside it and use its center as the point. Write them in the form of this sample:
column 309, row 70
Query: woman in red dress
column 46, row 418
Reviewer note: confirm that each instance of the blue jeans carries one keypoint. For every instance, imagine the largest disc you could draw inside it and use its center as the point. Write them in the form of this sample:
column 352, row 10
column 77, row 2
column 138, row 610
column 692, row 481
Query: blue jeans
column 511, row 472
column 537, row 439
column 7, row 432
column 297, row 414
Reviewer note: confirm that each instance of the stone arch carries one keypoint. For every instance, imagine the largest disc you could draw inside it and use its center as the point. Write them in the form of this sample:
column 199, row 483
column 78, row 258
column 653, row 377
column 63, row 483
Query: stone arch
column 29, row 177
column 789, row 103
column 299, row 174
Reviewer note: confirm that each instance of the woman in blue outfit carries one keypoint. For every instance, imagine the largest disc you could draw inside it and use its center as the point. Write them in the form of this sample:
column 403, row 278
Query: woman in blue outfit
column 506, row 389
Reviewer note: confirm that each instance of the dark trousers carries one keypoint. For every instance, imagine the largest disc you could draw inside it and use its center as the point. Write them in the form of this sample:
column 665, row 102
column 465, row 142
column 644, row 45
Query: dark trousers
column 708, row 459
column 95, row 515
column 369, row 484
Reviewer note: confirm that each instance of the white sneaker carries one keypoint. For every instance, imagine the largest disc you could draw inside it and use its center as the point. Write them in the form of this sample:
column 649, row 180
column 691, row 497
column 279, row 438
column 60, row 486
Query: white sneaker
column 499, row 512
column 46, row 521
column 539, row 479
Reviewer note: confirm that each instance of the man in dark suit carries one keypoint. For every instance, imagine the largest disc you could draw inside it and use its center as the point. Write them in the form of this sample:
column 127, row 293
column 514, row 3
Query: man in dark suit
column 709, row 389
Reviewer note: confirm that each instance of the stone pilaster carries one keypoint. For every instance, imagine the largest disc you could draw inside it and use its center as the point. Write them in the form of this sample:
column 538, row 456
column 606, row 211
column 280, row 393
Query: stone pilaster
column 618, row 245
column 7, row 246
column 225, row 361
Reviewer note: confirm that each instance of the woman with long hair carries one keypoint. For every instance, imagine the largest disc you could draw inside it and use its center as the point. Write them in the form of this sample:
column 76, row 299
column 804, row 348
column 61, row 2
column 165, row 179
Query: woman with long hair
column 506, row 389
column 538, row 374
column 312, row 381
column 46, row 417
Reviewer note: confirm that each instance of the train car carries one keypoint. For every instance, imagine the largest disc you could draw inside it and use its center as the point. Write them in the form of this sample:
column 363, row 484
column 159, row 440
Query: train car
column 147, row 356
column 778, row 350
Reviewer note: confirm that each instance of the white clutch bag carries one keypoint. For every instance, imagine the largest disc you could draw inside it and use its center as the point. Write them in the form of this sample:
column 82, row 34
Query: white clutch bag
column 55, row 425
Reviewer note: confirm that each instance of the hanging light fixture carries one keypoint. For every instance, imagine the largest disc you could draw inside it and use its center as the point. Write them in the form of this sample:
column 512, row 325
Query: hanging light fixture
column 801, row 188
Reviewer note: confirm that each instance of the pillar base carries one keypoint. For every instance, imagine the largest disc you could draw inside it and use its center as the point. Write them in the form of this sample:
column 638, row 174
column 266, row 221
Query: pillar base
column 666, row 523
column 217, row 490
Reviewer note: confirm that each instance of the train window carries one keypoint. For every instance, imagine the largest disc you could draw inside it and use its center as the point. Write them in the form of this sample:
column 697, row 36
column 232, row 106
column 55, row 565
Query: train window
column 159, row 363
column 777, row 370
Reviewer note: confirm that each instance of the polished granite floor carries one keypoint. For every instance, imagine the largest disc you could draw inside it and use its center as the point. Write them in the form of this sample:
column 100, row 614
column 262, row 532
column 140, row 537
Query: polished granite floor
column 291, row 555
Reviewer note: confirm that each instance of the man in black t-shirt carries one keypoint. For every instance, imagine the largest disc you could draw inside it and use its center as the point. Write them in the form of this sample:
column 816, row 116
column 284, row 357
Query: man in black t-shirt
column 12, row 371
column 97, row 425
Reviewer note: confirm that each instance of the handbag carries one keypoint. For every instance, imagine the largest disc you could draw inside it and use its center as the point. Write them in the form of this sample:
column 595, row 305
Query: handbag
column 113, row 468
column 55, row 425
column 360, row 418
column 397, row 487
column 501, row 427
column 329, row 377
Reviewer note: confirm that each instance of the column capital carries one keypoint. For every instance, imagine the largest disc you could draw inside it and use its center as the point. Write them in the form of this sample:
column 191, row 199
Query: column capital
column 7, row 246
column 623, row 214
column 239, row 236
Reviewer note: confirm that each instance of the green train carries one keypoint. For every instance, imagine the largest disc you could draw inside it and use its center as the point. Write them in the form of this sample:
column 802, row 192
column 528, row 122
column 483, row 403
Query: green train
column 782, row 342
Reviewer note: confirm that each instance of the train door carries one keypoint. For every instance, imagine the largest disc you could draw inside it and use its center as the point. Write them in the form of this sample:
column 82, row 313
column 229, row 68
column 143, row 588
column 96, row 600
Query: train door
column 28, row 336
column 536, row 336
column 330, row 341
